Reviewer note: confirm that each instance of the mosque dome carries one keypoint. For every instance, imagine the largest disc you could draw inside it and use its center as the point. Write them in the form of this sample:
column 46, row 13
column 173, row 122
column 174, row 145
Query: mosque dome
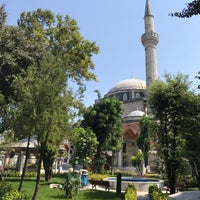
column 136, row 113
column 129, row 84
column 134, row 116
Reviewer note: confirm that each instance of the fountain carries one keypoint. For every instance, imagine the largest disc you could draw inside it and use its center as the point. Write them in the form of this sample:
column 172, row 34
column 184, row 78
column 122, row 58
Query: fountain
column 141, row 183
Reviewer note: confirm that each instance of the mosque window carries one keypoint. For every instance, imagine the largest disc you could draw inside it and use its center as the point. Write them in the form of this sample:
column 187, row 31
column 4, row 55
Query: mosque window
column 137, row 95
column 132, row 94
column 124, row 97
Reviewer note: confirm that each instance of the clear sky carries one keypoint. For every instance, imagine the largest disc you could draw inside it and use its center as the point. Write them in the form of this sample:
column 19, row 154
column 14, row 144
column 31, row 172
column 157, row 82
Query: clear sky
column 116, row 26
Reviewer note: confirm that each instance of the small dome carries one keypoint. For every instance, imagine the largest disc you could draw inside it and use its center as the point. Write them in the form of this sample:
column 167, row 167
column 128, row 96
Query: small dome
column 136, row 113
column 129, row 84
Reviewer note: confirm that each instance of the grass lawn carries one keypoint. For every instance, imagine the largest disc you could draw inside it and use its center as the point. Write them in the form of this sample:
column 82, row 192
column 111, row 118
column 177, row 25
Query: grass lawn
column 45, row 192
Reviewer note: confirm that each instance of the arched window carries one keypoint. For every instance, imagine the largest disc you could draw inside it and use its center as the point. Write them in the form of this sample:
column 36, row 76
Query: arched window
column 132, row 94
column 137, row 95
column 124, row 97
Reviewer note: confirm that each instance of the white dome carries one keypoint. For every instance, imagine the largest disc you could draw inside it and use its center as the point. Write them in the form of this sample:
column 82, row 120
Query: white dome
column 136, row 113
column 129, row 84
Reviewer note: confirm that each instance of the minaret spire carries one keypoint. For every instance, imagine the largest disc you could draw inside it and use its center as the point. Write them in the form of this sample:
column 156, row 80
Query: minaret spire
column 147, row 9
column 150, row 40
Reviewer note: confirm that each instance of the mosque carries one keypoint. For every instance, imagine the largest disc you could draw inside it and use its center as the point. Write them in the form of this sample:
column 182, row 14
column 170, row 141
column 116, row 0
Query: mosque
column 132, row 92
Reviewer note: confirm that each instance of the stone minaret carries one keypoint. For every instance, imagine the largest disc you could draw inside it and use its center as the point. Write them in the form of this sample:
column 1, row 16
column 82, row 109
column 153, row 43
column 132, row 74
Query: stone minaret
column 150, row 40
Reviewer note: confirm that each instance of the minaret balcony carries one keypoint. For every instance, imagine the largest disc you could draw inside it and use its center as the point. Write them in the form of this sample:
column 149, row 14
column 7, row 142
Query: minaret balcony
column 150, row 38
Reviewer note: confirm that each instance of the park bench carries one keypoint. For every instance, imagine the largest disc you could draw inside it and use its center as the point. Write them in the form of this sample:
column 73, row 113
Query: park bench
column 103, row 183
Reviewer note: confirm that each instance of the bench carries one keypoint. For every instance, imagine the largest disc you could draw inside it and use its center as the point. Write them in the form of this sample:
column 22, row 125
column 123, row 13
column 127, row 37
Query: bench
column 94, row 183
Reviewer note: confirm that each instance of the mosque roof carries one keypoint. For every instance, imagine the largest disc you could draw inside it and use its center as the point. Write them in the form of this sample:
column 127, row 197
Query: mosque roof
column 129, row 84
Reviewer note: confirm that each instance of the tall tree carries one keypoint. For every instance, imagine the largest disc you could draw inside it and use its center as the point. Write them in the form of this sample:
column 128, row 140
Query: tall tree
column 145, row 138
column 191, row 133
column 167, row 104
column 50, row 100
column 42, row 105
column 104, row 119
column 193, row 8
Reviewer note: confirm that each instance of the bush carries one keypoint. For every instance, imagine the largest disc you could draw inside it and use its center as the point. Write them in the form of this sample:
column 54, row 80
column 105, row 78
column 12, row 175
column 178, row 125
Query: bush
column 98, row 176
column 131, row 193
column 13, row 195
column 17, row 174
column 123, row 173
column 71, row 184
column 156, row 194
column 8, row 193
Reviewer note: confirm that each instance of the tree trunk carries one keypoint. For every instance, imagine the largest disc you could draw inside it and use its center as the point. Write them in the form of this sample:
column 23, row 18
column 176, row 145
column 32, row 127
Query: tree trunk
column 112, row 162
column 38, row 178
column 171, row 178
column 196, row 172
column 25, row 164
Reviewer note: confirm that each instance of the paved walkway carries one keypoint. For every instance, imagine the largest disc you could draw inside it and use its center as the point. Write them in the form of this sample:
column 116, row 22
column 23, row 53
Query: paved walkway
column 187, row 195
column 142, row 196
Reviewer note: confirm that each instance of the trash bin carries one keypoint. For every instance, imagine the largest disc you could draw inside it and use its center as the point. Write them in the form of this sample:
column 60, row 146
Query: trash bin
column 84, row 178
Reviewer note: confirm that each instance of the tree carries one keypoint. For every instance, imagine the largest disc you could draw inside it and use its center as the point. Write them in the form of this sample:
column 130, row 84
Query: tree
column 191, row 134
column 3, row 16
column 49, row 101
column 198, row 76
column 145, row 138
column 193, row 8
column 167, row 104
column 17, row 54
column 62, row 38
column 85, row 143
column 42, row 107
column 104, row 119
column 137, row 161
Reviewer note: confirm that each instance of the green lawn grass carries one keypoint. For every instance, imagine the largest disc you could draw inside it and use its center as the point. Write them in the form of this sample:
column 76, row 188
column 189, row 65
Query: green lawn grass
column 45, row 193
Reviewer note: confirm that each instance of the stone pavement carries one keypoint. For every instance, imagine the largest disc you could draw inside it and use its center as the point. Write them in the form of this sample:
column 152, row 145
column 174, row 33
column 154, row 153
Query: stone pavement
column 187, row 195
column 142, row 196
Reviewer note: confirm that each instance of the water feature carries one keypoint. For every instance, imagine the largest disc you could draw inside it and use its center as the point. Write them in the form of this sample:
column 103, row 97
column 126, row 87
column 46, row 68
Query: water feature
column 141, row 183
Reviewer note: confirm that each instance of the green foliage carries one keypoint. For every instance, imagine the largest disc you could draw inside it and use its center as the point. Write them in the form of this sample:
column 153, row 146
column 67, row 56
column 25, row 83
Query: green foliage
column 85, row 143
column 3, row 16
column 193, row 8
column 8, row 193
column 13, row 195
column 71, row 184
column 198, row 76
column 123, row 172
column 146, row 137
column 130, row 193
column 104, row 119
column 156, row 194
column 168, row 102
column 137, row 160
column 97, row 176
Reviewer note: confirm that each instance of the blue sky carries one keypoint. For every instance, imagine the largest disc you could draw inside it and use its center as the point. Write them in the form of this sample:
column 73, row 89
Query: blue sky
column 116, row 26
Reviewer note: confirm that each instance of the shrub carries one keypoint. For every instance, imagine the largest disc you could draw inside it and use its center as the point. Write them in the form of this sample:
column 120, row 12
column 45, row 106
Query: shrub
column 123, row 173
column 71, row 184
column 8, row 193
column 156, row 194
column 13, row 195
column 97, row 176
column 4, row 187
column 130, row 193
